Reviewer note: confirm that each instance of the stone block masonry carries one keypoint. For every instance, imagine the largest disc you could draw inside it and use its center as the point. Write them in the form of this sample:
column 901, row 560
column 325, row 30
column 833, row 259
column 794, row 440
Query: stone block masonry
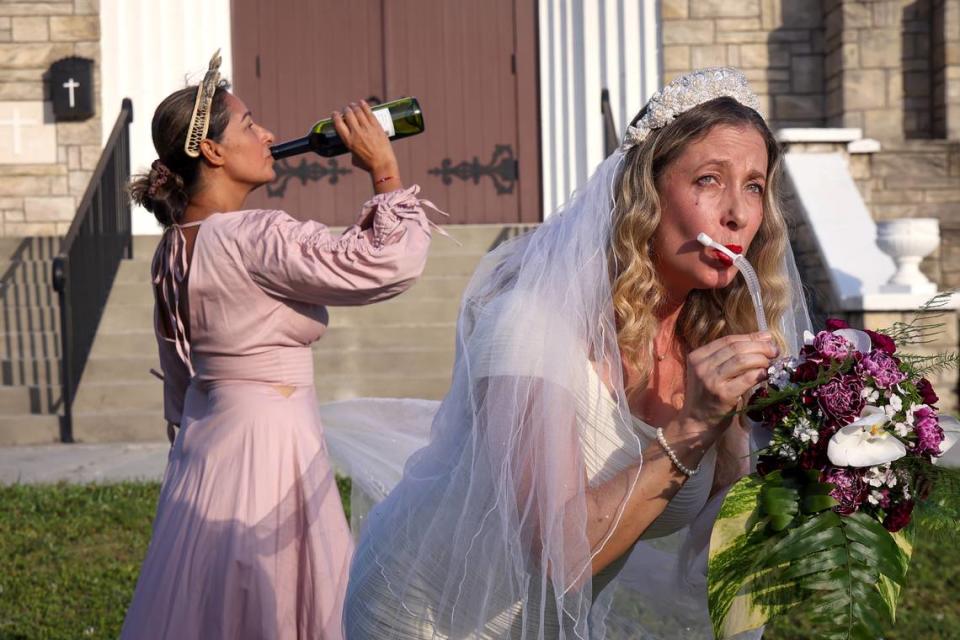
column 44, row 166
column 779, row 44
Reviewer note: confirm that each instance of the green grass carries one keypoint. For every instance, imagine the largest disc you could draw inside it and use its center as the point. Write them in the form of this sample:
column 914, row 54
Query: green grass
column 69, row 557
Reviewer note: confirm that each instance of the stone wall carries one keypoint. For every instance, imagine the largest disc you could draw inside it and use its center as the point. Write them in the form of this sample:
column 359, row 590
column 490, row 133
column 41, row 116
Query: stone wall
column 44, row 166
column 892, row 67
column 778, row 44
column 917, row 179
column 946, row 69
column 863, row 66
column 919, row 72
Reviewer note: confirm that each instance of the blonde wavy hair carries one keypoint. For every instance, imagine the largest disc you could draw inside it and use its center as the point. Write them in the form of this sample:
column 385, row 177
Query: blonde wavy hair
column 637, row 291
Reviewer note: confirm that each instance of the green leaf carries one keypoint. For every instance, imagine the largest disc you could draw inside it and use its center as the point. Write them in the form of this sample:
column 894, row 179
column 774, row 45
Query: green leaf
column 843, row 572
column 732, row 555
column 779, row 501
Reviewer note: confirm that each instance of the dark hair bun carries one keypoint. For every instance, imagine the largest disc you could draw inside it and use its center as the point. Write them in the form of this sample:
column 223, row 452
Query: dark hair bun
column 161, row 192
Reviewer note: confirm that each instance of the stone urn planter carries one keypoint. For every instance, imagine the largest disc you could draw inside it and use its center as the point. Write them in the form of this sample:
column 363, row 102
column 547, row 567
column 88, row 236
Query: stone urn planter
column 908, row 241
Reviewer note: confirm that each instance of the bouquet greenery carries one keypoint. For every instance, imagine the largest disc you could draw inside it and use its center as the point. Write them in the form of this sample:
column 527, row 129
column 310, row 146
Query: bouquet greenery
column 847, row 480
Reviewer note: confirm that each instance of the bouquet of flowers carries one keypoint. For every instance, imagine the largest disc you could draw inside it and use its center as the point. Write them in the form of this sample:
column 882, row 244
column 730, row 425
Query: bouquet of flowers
column 846, row 481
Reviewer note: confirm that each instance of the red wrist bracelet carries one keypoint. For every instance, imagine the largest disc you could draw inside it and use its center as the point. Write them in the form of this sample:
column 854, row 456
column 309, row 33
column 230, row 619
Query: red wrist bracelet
column 383, row 179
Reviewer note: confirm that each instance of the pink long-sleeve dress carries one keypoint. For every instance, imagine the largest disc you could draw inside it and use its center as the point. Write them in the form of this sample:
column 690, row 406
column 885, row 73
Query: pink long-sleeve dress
column 250, row 539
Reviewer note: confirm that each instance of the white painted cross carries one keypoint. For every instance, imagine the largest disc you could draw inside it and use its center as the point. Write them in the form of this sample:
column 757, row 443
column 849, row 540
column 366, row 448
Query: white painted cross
column 70, row 85
column 16, row 122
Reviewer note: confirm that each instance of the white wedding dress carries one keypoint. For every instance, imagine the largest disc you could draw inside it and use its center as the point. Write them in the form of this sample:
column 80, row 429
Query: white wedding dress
column 607, row 443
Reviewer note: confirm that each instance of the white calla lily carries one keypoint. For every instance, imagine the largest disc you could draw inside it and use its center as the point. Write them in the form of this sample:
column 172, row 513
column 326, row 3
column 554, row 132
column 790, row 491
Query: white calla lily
column 951, row 433
column 865, row 442
column 860, row 340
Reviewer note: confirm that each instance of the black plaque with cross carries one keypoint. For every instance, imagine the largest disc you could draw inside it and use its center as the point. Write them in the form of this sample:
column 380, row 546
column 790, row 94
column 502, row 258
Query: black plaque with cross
column 71, row 89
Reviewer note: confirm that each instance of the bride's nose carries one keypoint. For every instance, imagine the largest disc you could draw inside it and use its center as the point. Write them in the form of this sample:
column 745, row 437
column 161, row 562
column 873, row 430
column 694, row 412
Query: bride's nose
column 734, row 212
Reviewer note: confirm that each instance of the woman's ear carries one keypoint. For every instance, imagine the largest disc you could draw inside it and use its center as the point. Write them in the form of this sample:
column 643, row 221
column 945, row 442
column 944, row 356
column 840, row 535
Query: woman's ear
column 212, row 152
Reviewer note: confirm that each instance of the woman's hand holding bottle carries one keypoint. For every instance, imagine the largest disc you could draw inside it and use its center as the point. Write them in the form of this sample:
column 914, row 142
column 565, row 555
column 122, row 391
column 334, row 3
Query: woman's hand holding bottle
column 372, row 151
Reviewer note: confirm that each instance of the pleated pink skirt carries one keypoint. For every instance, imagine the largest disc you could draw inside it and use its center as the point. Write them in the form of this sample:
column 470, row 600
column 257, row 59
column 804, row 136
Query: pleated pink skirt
column 250, row 539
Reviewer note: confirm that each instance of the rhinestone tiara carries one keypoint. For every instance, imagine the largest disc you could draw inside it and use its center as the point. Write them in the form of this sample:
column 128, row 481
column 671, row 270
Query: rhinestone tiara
column 686, row 92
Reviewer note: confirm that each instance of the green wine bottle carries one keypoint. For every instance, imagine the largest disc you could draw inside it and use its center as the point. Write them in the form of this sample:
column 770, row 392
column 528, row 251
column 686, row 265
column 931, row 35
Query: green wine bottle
column 399, row 118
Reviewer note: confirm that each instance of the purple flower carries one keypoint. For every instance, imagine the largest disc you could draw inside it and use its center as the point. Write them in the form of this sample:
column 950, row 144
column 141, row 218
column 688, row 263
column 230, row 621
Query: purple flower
column 929, row 433
column 898, row 516
column 841, row 400
column 882, row 367
column 925, row 389
column 884, row 500
column 849, row 489
column 833, row 346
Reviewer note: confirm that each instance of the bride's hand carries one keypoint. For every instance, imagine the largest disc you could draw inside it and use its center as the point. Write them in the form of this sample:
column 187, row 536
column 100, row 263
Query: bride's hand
column 718, row 374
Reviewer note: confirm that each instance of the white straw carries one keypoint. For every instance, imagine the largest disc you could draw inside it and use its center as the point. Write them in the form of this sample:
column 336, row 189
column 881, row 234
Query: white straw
column 749, row 275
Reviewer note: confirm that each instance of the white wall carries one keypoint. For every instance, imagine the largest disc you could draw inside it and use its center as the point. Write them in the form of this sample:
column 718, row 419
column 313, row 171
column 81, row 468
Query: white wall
column 585, row 46
column 150, row 49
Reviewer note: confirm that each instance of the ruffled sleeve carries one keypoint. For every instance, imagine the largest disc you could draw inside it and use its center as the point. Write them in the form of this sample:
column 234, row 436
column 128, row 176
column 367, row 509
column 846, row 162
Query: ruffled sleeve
column 376, row 258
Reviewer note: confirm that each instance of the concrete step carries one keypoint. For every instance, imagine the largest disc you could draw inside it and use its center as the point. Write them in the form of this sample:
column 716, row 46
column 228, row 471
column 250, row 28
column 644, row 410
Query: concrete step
column 142, row 343
column 22, row 429
column 30, row 248
column 136, row 270
column 136, row 341
column 21, row 372
column 437, row 286
column 20, row 294
column 410, row 362
column 30, row 345
column 461, row 264
column 386, row 385
column 29, row 319
column 399, row 311
column 471, row 238
column 119, row 395
column 120, row 426
column 143, row 421
column 104, row 370
column 421, row 335
column 31, row 272
column 34, row 399
column 146, row 395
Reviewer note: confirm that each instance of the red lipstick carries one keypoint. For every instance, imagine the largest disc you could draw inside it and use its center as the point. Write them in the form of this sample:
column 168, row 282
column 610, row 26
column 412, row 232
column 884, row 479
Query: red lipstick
column 724, row 258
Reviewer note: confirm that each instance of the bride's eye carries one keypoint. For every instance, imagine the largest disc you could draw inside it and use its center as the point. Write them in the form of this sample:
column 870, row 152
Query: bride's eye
column 705, row 180
column 755, row 187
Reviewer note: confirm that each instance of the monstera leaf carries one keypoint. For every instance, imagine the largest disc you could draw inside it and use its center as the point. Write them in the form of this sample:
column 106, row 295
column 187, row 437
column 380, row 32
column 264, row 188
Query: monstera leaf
column 777, row 545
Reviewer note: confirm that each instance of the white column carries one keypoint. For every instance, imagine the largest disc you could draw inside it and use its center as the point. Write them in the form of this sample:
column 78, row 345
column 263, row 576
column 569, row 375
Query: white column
column 586, row 46
column 150, row 49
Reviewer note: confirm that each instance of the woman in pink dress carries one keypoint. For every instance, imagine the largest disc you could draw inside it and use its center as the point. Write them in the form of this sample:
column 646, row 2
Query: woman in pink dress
column 250, row 539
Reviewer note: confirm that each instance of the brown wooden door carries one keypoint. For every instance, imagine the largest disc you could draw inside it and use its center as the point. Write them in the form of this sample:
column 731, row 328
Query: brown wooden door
column 292, row 66
column 471, row 65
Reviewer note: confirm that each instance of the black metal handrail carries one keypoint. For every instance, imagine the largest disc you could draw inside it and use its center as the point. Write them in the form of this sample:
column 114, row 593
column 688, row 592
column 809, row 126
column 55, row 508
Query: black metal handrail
column 90, row 254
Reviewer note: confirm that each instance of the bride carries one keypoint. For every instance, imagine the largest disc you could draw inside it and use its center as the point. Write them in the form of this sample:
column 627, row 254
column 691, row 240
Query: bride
column 576, row 465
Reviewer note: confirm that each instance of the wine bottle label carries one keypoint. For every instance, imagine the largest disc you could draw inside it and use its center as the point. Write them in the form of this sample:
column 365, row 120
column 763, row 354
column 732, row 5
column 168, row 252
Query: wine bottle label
column 386, row 121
